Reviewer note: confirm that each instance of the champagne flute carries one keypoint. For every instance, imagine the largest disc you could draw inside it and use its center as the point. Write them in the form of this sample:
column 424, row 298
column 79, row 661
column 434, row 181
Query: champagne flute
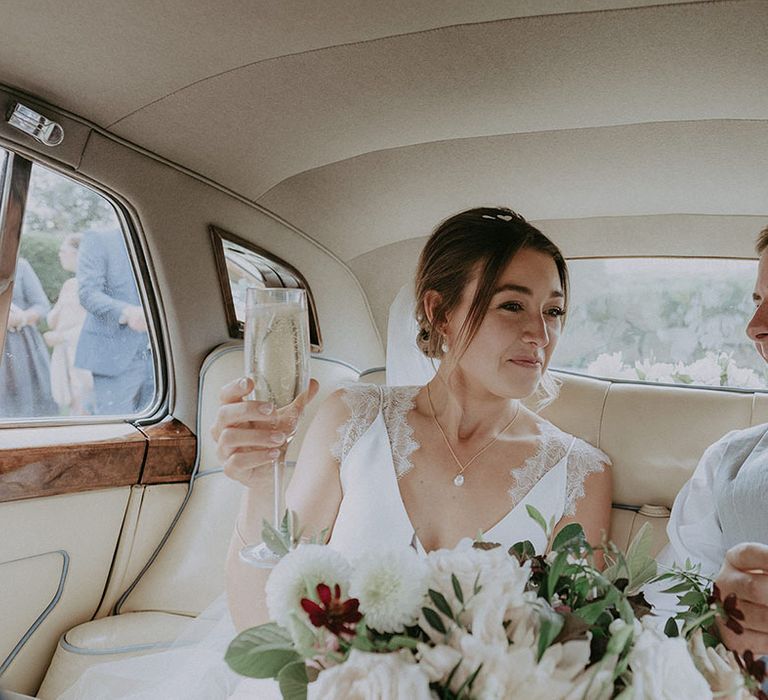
column 277, row 361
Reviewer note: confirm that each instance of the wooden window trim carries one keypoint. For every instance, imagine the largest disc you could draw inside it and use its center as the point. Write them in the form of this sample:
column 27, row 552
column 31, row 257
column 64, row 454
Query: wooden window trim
column 54, row 460
column 273, row 269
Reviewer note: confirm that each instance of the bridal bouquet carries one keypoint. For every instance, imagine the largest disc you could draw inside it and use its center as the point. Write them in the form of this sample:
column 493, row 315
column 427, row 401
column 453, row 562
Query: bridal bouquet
column 478, row 621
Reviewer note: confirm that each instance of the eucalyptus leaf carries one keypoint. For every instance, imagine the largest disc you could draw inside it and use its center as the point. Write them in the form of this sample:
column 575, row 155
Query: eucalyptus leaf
column 671, row 629
column 457, row 589
column 571, row 534
column 592, row 611
column 441, row 603
column 554, row 573
column 269, row 633
column 264, row 661
column 538, row 517
column 434, row 620
column 400, row 641
column 549, row 627
column 285, row 528
column 641, row 566
column 293, row 681
column 683, row 587
column 523, row 550
column 274, row 540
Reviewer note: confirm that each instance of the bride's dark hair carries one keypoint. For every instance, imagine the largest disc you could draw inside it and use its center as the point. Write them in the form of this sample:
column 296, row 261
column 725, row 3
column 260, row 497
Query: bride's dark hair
column 478, row 241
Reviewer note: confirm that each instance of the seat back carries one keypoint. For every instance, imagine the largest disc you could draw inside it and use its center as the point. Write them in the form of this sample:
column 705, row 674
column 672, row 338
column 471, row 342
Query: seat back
column 654, row 435
column 187, row 571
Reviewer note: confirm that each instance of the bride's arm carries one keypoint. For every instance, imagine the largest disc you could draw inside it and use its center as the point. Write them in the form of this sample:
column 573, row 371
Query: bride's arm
column 593, row 511
column 243, row 433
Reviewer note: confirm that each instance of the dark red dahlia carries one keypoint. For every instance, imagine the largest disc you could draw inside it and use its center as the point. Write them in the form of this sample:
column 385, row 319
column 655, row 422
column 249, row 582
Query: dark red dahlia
column 333, row 613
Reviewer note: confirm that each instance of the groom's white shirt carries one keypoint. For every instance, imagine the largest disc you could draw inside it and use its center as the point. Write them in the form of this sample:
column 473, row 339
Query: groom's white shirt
column 695, row 529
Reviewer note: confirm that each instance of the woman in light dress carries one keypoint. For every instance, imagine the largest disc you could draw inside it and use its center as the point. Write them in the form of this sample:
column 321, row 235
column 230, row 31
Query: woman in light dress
column 71, row 386
column 429, row 465
column 421, row 466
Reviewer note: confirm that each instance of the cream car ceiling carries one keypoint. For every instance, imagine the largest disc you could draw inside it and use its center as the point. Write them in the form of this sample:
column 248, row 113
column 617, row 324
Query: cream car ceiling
column 363, row 123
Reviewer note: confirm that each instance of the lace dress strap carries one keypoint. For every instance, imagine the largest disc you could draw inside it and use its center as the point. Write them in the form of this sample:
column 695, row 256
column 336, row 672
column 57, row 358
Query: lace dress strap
column 364, row 403
column 583, row 459
column 556, row 445
column 398, row 401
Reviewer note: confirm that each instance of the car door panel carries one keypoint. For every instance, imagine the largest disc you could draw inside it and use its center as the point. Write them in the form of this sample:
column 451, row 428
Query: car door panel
column 70, row 535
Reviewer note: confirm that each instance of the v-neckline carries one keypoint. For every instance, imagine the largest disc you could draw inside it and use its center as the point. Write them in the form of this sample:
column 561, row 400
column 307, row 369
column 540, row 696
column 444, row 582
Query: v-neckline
column 394, row 481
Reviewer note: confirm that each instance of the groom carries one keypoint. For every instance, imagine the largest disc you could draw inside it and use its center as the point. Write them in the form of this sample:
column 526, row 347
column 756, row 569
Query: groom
column 720, row 517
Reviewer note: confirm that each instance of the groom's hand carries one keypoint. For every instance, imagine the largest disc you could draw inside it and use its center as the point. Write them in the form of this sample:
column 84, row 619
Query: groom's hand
column 745, row 573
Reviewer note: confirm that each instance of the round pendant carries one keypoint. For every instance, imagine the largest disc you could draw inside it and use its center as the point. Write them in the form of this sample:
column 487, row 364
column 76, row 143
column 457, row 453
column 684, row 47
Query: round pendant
column 458, row 480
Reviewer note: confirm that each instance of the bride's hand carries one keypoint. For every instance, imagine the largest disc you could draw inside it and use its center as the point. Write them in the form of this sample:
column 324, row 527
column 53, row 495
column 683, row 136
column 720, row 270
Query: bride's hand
column 251, row 434
column 745, row 573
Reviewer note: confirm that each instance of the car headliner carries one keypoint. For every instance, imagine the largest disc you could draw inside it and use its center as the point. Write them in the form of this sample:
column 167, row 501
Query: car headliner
column 622, row 127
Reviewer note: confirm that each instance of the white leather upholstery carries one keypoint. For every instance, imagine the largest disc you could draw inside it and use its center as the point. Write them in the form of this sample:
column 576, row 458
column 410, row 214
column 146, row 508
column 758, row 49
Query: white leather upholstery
column 55, row 557
column 108, row 639
column 188, row 572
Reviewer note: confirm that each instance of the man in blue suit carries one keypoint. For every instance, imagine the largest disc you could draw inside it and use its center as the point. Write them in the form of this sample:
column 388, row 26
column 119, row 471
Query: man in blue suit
column 114, row 344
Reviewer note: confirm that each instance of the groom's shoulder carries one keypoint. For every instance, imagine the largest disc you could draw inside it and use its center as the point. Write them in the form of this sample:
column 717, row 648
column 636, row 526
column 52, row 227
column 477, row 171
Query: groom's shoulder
column 742, row 435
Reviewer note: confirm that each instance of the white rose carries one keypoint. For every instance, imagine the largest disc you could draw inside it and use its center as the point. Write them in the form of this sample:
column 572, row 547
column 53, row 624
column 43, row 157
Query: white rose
column 664, row 670
column 596, row 683
column 511, row 672
column 437, row 662
column 365, row 676
column 500, row 577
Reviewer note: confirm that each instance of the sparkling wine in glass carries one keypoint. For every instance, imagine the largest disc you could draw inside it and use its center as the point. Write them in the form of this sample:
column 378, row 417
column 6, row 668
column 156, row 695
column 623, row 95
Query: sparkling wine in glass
column 277, row 360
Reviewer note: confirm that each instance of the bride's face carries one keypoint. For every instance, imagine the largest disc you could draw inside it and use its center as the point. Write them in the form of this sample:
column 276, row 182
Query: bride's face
column 515, row 341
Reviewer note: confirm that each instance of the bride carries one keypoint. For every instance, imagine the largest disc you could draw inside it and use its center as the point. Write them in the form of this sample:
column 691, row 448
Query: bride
column 408, row 465
column 430, row 465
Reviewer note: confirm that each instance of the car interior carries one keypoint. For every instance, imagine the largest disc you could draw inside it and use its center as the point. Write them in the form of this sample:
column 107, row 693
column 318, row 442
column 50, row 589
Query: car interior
column 297, row 143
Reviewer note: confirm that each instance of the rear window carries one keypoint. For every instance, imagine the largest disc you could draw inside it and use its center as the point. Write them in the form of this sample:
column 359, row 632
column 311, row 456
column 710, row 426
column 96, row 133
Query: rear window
column 662, row 320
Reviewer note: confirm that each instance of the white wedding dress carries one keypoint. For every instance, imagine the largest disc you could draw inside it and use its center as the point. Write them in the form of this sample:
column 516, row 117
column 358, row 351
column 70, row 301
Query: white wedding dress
column 374, row 450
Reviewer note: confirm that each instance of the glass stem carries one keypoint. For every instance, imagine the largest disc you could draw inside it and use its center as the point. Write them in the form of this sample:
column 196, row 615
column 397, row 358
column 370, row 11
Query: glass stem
column 278, row 469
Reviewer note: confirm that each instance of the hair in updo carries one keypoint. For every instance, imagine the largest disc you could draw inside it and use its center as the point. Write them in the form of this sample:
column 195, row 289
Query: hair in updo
column 478, row 241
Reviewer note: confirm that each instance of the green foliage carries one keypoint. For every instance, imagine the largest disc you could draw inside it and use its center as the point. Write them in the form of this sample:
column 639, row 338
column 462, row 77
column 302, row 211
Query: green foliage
column 293, row 681
column 693, row 594
column 57, row 206
column 42, row 252
column 261, row 652
column 637, row 565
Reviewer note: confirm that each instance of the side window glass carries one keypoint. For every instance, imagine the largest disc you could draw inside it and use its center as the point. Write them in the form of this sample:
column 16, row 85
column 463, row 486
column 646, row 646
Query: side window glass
column 662, row 320
column 77, row 342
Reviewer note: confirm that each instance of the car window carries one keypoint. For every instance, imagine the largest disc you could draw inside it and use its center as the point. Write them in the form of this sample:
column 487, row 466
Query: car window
column 77, row 342
column 662, row 320
column 241, row 265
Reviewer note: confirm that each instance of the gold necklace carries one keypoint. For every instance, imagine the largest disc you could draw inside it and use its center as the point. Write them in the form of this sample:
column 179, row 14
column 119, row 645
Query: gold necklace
column 458, row 480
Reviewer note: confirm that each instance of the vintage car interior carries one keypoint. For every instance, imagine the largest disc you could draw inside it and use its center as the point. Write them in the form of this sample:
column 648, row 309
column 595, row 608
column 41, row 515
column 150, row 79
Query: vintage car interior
column 298, row 143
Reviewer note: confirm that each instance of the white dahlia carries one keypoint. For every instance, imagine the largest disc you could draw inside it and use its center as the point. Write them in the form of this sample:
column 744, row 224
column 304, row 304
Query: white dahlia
column 296, row 576
column 390, row 586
